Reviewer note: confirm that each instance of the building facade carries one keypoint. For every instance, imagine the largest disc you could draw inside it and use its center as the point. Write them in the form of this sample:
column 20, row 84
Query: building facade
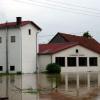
column 71, row 56
column 18, row 46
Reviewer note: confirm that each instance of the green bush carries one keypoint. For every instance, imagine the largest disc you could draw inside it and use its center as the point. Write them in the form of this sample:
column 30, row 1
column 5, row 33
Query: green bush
column 19, row 73
column 53, row 68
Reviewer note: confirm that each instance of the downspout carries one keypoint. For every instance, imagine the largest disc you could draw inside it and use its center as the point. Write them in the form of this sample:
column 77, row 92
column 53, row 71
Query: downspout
column 21, row 45
column 51, row 58
column 37, row 69
column 6, row 49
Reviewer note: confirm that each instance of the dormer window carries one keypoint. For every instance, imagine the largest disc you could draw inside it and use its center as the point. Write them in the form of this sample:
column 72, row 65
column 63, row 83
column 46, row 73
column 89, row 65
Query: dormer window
column 29, row 31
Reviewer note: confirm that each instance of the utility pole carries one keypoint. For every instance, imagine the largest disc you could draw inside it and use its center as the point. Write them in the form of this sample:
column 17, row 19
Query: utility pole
column 6, row 48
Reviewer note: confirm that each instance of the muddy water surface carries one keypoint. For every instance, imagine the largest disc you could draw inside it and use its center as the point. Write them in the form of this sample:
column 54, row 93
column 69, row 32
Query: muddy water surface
column 67, row 86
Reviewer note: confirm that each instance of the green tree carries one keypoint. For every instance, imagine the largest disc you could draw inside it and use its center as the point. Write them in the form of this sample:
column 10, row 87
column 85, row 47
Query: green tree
column 87, row 34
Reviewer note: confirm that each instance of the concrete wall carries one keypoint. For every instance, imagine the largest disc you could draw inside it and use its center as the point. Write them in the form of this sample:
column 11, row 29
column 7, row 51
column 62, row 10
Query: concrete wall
column 83, row 52
column 43, row 61
column 14, row 49
column 29, row 49
column 3, row 50
column 22, row 52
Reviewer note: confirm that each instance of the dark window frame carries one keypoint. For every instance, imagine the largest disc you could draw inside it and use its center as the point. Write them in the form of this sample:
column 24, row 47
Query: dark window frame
column 93, row 62
column 82, row 61
column 77, row 51
column 1, row 68
column 60, row 61
column 12, row 69
column 13, row 39
column 29, row 31
column 71, row 61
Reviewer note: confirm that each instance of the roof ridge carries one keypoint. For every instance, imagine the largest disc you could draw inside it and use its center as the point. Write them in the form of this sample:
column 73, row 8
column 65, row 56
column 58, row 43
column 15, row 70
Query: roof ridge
column 77, row 36
column 13, row 24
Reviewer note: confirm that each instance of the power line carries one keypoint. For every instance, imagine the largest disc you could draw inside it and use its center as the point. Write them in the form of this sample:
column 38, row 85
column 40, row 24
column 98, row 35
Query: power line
column 69, row 4
column 58, row 8
column 55, row 4
column 42, row 36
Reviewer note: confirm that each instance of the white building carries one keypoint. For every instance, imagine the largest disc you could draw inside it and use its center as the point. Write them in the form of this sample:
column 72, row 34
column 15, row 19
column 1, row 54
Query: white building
column 72, row 53
column 18, row 46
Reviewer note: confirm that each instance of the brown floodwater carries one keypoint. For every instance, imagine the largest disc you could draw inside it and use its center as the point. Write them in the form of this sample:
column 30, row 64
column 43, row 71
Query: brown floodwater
column 66, row 86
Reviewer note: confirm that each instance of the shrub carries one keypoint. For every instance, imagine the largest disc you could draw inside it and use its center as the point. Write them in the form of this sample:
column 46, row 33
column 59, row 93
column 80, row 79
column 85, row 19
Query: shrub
column 19, row 73
column 53, row 68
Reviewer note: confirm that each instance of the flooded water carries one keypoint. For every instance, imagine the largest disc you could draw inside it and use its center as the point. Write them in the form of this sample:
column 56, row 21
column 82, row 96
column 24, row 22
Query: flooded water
column 67, row 86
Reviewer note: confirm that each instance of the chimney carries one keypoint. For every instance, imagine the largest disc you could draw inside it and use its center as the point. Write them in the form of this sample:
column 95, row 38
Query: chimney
column 18, row 20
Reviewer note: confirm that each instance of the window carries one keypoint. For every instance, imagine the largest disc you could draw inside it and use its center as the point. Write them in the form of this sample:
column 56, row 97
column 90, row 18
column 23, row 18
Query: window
column 71, row 61
column 1, row 68
column 12, row 38
column 76, row 50
column 82, row 61
column 60, row 61
column 93, row 61
column 12, row 68
column 0, row 39
column 29, row 31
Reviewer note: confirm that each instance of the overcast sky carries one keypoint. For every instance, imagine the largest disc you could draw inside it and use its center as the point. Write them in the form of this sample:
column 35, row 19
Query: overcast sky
column 67, row 16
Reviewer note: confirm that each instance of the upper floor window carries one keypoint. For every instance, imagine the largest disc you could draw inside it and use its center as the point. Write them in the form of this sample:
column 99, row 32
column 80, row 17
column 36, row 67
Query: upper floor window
column 13, row 39
column 29, row 31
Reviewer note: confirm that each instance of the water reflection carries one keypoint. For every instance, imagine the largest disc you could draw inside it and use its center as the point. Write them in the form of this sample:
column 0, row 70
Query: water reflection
column 74, row 84
column 7, row 87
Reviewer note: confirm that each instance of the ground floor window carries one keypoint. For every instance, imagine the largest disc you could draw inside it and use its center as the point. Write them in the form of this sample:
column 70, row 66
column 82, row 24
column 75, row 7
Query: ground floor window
column 82, row 61
column 93, row 61
column 60, row 61
column 71, row 61
column 12, row 68
column 1, row 68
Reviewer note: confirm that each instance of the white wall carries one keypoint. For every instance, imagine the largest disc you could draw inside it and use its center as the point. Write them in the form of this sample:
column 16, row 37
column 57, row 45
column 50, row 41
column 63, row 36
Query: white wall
column 43, row 61
column 71, row 52
column 22, row 52
column 3, row 50
column 14, row 49
column 28, row 49
column 29, row 81
column 83, row 52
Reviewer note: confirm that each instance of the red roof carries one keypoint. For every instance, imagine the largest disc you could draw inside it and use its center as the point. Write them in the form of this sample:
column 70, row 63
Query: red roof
column 71, row 40
column 14, row 24
column 53, row 48
column 89, row 43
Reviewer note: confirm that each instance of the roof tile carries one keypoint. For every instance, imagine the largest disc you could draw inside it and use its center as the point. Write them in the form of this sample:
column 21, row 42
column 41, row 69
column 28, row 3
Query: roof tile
column 14, row 24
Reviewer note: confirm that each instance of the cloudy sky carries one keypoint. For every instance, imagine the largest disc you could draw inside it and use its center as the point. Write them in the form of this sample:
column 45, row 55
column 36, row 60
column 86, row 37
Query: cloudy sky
column 67, row 16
